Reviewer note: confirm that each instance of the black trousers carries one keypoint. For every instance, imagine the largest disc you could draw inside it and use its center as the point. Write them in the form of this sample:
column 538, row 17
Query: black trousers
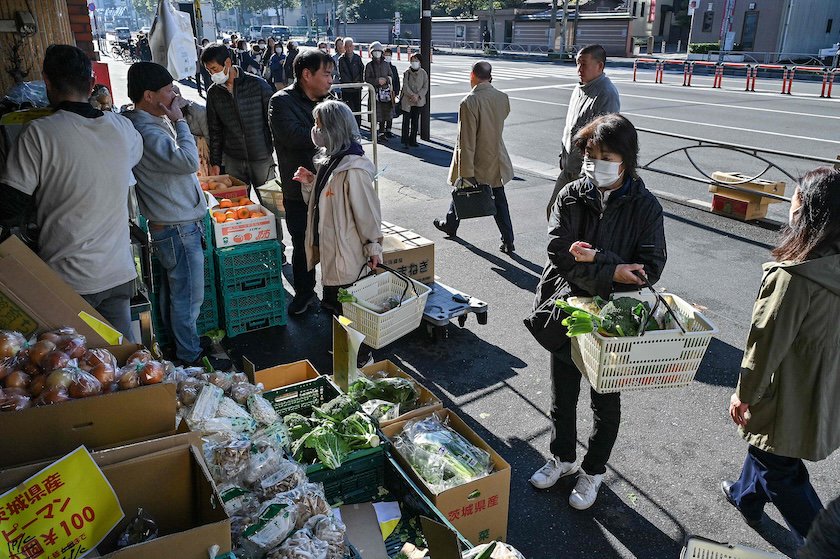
column 353, row 98
column 781, row 480
column 565, row 389
column 410, row 122
column 304, row 280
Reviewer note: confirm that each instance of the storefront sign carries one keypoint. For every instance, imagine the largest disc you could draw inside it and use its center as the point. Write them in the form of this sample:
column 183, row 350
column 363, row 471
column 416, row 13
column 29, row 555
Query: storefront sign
column 62, row 512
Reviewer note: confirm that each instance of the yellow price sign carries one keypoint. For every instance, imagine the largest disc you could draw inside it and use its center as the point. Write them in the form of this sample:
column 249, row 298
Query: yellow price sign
column 62, row 512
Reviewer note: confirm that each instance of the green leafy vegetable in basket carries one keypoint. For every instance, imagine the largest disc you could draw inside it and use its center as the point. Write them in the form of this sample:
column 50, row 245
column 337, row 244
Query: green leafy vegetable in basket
column 298, row 425
column 337, row 409
column 345, row 296
column 390, row 389
column 359, row 431
column 622, row 317
column 330, row 447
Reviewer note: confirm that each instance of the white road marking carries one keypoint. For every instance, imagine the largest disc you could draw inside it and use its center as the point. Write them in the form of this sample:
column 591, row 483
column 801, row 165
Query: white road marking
column 510, row 90
column 763, row 109
column 764, row 93
column 737, row 128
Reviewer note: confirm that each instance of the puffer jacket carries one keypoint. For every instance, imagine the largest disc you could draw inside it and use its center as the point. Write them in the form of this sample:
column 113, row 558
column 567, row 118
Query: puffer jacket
column 628, row 230
column 349, row 224
column 238, row 123
column 290, row 116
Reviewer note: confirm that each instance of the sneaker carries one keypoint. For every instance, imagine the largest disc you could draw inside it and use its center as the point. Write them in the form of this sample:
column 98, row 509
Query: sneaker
column 585, row 491
column 299, row 304
column 553, row 470
column 752, row 521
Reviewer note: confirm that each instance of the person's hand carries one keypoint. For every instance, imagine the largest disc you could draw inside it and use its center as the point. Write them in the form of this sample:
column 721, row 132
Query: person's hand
column 182, row 102
column 173, row 111
column 374, row 261
column 624, row 274
column 582, row 251
column 215, row 170
column 382, row 81
column 738, row 410
column 304, row 175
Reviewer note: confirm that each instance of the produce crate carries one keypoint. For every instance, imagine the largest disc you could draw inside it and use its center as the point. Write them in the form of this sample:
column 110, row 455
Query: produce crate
column 659, row 359
column 361, row 473
column 250, row 266
column 253, row 310
column 700, row 548
column 380, row 329
column 208, row 317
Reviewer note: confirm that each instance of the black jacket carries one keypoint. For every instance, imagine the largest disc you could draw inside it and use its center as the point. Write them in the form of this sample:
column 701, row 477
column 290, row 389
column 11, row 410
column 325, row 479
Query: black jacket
column 351, row 71
column 238, row 123
column 290, row 115
column 395, row 80
column 289, row 64
column 629, row 230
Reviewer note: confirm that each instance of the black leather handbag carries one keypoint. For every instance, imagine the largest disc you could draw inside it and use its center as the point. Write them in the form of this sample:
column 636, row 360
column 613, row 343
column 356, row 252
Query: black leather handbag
column 473, row 200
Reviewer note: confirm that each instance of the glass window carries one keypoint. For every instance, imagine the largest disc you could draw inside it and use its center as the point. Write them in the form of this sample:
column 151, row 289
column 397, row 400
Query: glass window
column 708, row 21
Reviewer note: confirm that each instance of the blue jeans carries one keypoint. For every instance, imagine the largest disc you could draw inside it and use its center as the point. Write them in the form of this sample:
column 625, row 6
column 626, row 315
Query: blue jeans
column 781, row 480
column 502, row 216
column 180, row 252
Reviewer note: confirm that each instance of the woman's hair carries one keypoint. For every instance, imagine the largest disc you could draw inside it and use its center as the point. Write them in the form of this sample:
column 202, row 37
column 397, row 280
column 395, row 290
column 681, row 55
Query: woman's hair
column 817, row 225
column 338, row 125
column 614, row 133
column 416, row 55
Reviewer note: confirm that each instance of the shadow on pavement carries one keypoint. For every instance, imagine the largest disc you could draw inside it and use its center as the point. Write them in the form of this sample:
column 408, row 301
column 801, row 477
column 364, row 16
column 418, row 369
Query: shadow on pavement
column 507, row 268
column 445, row 117
column 718, row 231
column 721, row 364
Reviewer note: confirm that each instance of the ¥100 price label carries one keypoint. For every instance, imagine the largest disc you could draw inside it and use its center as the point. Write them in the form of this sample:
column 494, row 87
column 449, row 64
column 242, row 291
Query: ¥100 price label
column 62, row 512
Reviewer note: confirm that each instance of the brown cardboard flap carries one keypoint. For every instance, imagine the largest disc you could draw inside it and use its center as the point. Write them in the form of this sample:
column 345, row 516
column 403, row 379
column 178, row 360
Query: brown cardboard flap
column 34, row 298
column 443, row 542
column 281, row 375
column 363, row 530
column 428, row 401
column 35, row 434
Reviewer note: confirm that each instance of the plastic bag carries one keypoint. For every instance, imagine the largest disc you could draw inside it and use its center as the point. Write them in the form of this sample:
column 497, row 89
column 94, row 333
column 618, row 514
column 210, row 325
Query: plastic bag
column 501, row 551
column 330, row 530
column 206, row 406
column 239, row 501
column 240, row 391
column 302, row 544
column 380, row 410
column 141, row 528
column 237, row 425
column 172, row 41
column 286, row 477
column 262, row 410
column 232, row 458
column 273, row 436
column 309, row 501
column 30, row 94
column 441, row 456
column 276, row 520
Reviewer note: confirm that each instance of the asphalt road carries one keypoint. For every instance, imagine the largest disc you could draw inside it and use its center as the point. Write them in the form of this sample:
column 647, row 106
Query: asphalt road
column 674, row 445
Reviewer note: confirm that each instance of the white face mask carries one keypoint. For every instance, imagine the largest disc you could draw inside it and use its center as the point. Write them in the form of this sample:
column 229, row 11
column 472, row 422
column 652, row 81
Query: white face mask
column 219, row 77
column 415, row 65
column 377, row 54
column 317, row 137
column 388, row 59
column 325, row 50
column 601, row 173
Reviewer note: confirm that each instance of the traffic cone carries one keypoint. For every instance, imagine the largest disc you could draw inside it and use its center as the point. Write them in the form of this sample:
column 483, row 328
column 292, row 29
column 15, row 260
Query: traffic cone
column 398, row 53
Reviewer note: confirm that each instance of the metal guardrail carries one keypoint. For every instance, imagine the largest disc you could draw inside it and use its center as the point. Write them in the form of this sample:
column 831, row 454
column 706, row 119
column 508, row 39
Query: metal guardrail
column 809, row 58
column 751, row 151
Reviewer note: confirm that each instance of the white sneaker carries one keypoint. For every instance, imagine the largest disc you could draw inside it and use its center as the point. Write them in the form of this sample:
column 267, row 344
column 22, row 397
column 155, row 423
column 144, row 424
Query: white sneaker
column 585, row 491
column 553, row 470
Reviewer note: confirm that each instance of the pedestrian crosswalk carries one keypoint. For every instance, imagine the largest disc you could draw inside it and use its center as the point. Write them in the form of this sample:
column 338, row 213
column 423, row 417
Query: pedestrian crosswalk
column 451, row 77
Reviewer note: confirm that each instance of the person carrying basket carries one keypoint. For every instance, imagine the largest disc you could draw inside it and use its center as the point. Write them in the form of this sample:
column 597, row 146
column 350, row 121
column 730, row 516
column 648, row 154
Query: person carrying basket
column 604, row 229
column 787, row 402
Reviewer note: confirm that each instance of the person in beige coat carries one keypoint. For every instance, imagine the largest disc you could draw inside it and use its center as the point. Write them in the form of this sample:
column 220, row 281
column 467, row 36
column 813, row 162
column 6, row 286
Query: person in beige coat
column 344, row 216
column 415, row 87
column 480, row 155
column 787, row 402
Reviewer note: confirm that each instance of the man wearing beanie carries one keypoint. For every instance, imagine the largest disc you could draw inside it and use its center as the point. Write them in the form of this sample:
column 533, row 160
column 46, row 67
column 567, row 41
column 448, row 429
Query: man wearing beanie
column 170, row 197
column 74, row 168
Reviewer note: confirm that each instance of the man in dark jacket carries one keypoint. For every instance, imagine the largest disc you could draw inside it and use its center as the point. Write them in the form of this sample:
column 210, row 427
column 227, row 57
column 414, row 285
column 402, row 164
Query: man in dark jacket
column 351, row 70
column 237, row 108
column 290, row 115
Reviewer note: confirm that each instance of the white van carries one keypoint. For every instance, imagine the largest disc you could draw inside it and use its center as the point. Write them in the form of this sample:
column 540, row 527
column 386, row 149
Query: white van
column 280, row 32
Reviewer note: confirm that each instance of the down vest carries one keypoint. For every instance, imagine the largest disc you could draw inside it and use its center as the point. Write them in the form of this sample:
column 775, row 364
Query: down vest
column 628, row 230
column 238, row 123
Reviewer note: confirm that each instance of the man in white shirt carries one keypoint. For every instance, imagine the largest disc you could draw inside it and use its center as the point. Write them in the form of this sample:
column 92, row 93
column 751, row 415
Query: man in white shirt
column 77, row 165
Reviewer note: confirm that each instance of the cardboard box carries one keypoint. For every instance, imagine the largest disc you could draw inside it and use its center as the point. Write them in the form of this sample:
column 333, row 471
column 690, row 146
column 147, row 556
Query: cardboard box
column 238, row 190
column 169, row 480
column 756, row 185
column 33, row 298
column 479, row 509
column 408, row 253
column 738, row 205
column 428, row 401
column 296, row 378
column 243, row 231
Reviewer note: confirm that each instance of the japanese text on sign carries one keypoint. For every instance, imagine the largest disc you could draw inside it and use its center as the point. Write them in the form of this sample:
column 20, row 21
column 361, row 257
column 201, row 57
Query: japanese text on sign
column 63, row 511
column 473, row 508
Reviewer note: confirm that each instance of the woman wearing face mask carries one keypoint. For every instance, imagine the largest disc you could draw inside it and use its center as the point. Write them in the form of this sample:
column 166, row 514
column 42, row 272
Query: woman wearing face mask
column 343, row 221
column 378, row 74
column 604, row 228
column 276, row 67
column 415, row 86
column 787, row 402
column 246, row 61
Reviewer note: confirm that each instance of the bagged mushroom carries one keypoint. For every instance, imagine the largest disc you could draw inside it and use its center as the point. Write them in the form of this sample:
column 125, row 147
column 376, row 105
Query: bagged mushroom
column 330, row 530
column 301, row 545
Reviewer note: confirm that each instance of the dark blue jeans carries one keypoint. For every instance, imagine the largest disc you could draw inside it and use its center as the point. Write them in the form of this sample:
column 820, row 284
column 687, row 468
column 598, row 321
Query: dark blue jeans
column 783, row 481
column 180, row 252
column 502, row 216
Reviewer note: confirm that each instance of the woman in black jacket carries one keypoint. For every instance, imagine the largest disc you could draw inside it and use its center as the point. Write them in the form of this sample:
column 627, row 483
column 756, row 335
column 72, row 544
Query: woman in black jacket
column 604, row 229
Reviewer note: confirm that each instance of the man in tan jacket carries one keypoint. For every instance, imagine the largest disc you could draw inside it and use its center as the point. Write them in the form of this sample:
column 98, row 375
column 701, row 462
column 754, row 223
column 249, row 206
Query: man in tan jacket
column 480, row 155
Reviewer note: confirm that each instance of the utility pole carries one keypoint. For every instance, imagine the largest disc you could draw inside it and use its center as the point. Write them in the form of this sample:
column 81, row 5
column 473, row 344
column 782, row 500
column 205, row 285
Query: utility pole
column 552, row 27
column 426, row 61
column 564, row 30
column 725, row 26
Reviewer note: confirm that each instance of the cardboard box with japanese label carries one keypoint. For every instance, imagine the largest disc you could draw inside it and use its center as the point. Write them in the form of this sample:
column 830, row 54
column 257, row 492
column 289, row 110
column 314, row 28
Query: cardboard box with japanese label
column 243, row 231
column 478, row 509
column 408, row 253
column 427, row 401
column 167, row 478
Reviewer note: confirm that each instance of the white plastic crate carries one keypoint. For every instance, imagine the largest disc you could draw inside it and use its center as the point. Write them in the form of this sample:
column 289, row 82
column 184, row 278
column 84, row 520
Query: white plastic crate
column 382, row 329
column 701, row 548
column 659, row 359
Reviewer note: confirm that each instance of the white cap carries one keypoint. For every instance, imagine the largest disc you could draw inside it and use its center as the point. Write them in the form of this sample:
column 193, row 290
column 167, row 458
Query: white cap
column 376, row 45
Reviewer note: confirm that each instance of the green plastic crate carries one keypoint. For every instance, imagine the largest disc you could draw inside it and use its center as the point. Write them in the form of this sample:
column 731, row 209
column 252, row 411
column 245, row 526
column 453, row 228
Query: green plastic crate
column 250, row 267
column 361, row 473
column 253, row 310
